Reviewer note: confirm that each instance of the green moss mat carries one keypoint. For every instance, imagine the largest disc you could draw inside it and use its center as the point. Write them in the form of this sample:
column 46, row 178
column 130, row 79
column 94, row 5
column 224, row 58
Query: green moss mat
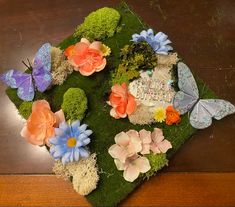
column 112, row 188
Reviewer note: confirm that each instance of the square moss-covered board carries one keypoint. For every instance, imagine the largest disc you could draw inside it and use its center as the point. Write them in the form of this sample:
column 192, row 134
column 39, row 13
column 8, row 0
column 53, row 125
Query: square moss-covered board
column 112, row 188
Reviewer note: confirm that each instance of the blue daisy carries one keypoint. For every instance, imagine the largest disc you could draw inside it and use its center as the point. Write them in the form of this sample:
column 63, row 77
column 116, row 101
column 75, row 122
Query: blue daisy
column 158, row 42
column 70, row 142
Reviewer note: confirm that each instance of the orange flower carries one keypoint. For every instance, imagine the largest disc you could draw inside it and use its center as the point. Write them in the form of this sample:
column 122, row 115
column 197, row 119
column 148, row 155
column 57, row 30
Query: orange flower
column 86, row 57
column 122, row 101
column 172, row 116
column 40, row 124
column 69, row 51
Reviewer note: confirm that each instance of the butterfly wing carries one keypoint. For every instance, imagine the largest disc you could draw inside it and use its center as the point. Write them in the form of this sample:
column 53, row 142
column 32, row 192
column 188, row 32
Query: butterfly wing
column 206, row 109
column 22, row 81
column 42, row 68
column 42, row 79
column 188, row 94
column 183, row 102
column 26, row 89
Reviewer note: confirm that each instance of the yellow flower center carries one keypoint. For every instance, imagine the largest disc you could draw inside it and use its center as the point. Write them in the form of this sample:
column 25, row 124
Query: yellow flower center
column 71, row 142
column 160, row 114
column 106, row 50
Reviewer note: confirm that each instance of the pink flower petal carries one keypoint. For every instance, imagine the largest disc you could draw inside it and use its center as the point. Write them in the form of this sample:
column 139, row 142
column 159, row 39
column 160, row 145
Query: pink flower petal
column 84, row 40
column 118, row 152
column 114, row 114
column 157, row 135
column 96, row 45
column 122, row 139
column 31, row 139
column 164, row 146
column 145, row 136
column 59, row 117
column 71, row 62
column 102, row 66
column 143, row 164
column 133, row 134
column 145, row 149
column 81, row 48
column 119, row 164
column 24, row 132
column 154, row 148
column 131, row 173
column 135, row 144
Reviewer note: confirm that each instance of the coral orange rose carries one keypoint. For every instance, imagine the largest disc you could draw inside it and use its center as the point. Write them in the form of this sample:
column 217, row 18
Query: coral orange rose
column 122, row 101
column 172, row 116
column 86, row 57
column 40, row 124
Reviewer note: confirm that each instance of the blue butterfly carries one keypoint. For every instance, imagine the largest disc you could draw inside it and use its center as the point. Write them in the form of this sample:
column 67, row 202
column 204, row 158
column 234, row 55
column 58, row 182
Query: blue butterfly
column 40, row 79
column 202, row 110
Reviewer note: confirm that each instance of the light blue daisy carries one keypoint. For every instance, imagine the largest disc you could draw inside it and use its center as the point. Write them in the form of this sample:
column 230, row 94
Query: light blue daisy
column 70, row 142
column 158, row 42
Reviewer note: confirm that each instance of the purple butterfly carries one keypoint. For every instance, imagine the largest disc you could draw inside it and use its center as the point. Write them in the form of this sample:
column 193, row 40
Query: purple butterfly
column 40, row 78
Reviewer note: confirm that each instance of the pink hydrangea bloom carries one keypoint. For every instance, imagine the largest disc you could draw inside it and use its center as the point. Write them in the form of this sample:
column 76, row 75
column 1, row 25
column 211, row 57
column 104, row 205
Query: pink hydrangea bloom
column 133, row 166
column 159, row 144
column 131, row 146
column 127, row 145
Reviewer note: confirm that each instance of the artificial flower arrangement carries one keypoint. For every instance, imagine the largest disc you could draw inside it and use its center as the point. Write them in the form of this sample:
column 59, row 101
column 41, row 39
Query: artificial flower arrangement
column 112, row 103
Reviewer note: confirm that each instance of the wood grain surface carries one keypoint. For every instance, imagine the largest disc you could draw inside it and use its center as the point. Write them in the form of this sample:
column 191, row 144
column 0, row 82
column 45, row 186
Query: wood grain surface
column 202, row 32
column 169, row 189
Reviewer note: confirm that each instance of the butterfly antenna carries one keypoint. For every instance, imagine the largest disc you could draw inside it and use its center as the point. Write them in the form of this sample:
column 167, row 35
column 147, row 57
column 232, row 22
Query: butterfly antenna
column 25, row 64
column 29, row 63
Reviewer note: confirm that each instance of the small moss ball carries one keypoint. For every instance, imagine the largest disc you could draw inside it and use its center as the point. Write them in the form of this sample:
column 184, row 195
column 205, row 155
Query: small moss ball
column 74, row 104
column 99, row 25
column 25, row 109
column 157, row 162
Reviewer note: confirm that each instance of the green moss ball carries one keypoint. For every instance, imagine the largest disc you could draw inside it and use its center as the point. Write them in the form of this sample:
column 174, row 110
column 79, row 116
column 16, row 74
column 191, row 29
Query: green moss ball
column 99, row 25
column 25, row 109
column 74, row 104
column 157, row 162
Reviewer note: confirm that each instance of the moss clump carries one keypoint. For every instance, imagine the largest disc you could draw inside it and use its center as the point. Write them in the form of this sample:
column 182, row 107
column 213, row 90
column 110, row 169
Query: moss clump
column 12, row 94
column 74, row 104
column 134, row 57
column 60, row 67
column 129, row 53
column 25, row 109
column 124, row 74
column 99, row 25
column 157, row 162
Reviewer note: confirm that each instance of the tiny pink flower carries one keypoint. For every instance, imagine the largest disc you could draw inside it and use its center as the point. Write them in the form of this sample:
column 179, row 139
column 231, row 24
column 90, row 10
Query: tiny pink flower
column 159, row 144
column 133, row 166
column 127, row 144
column 146, row 139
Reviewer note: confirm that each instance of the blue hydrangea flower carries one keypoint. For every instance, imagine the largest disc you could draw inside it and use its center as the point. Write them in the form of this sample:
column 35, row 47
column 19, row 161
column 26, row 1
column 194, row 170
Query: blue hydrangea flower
column 69, row 142
column 158, row 42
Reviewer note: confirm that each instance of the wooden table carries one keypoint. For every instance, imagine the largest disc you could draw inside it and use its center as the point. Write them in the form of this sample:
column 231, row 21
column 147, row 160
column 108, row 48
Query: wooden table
column 202, row 173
